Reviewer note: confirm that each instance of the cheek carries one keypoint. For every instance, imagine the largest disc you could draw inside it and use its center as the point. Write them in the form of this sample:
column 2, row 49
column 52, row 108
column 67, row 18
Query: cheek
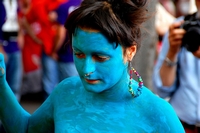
column 77, row 63
column 113, row 69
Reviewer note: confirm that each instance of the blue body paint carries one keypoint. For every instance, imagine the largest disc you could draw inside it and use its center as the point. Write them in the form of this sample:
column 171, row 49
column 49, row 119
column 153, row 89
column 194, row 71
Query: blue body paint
column 97, row 103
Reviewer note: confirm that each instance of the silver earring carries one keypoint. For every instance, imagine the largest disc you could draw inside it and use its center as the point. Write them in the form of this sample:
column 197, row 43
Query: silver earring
column 88, row 74
column 2, row 71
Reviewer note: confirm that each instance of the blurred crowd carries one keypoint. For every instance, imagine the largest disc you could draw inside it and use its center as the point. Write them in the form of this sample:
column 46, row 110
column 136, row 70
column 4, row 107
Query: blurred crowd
column 35, row 44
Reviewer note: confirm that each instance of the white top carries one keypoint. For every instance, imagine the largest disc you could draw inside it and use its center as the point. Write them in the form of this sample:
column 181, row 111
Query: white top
column 11, row 23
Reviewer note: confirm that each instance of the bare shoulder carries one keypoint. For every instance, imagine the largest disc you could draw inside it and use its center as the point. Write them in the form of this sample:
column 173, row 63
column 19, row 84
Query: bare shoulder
column 68, row 87
column 159, row 111
column 152, row 101
column 69, row 84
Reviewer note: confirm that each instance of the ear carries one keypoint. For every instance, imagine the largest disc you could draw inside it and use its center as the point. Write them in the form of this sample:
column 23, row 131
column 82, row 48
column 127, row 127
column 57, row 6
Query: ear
column 130, row 52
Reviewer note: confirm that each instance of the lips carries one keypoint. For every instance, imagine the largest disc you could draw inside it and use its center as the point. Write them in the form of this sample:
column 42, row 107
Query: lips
column 90, row 81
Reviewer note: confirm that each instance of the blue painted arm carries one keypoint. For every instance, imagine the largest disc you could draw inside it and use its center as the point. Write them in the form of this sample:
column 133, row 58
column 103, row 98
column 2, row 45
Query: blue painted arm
column 13, row 116
column 42, row 120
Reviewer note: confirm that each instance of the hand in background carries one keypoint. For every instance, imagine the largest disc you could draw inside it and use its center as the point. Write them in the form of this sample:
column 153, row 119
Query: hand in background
column 175, row 37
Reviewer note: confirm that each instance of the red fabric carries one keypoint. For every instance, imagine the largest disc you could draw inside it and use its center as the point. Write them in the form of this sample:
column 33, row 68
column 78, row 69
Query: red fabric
column 53, row 4
column 190, row 128
column 31, row 51
column 31, row 55
column 37, row 17
column 196, row 130
column 39, row 11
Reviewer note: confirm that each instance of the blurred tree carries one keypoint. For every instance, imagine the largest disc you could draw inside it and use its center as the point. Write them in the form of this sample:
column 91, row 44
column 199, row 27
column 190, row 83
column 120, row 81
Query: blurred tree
column 144, row 60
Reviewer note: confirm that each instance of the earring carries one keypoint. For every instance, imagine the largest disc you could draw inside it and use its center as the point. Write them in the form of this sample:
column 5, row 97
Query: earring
column 140, row 83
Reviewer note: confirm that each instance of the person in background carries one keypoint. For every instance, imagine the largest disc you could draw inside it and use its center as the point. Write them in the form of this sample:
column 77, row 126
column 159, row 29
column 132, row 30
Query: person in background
column 31, row 50
column 169, row 6
column 184, row 7
column 49, row 65
column 62, row 51
column 10, row 29
column 163, row 19
column 105, row 36
column 176, row 74
column 37, row 24
column 2, row 20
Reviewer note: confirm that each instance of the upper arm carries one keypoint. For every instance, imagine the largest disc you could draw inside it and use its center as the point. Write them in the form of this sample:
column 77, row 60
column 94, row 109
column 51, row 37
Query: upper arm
column 41, row 121
column 168, row 117
column 158, row 87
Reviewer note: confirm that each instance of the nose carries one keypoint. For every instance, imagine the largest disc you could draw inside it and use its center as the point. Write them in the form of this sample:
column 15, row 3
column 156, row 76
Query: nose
column 89, row 66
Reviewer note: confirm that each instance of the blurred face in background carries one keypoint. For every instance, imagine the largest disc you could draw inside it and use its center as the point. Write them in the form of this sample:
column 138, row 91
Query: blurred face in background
column 24, row 5
column 182, row 7
column 198, row 5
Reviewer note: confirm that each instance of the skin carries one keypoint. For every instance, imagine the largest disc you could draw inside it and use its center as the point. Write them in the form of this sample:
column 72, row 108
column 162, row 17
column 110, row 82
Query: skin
column 197, row 53
column 176, row 34
column 175, row 40
column 97, row 103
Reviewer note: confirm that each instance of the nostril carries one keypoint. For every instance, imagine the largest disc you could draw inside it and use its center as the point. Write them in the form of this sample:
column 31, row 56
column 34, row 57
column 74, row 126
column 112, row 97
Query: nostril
column 88, row 74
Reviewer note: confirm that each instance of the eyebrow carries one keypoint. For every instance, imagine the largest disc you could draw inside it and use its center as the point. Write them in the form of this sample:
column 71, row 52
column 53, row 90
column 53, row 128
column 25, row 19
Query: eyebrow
column 99, row 52
column 74, row 48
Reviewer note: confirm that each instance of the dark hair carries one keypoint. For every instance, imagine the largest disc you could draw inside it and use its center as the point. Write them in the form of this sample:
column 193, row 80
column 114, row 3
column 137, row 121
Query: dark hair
column 118, row 20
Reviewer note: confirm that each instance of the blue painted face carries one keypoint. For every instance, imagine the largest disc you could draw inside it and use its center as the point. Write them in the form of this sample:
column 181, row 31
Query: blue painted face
column 94, row 54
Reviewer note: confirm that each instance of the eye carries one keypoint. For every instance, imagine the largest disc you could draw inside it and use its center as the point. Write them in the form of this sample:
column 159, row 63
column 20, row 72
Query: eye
column 80, row 55
column 100, row 58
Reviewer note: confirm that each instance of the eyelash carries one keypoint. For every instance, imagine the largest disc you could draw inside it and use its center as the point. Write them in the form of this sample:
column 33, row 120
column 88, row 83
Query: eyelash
column 100, row 58
column 80, row 55
column 95, row 57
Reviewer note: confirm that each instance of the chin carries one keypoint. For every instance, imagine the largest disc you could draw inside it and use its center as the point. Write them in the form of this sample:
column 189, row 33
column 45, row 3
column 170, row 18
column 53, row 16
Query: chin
column 94, row 88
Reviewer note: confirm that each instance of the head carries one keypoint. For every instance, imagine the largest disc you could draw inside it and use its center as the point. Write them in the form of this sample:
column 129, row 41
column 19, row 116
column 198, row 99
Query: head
column 24, row 4
column 105, row 35
column 184, row 7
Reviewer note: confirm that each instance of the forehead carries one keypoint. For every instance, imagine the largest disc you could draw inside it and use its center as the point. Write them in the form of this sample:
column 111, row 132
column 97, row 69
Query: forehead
column 88, row 39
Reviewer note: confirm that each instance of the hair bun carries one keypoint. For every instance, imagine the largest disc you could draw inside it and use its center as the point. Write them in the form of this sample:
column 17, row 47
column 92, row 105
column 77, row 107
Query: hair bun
column 128, row 10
